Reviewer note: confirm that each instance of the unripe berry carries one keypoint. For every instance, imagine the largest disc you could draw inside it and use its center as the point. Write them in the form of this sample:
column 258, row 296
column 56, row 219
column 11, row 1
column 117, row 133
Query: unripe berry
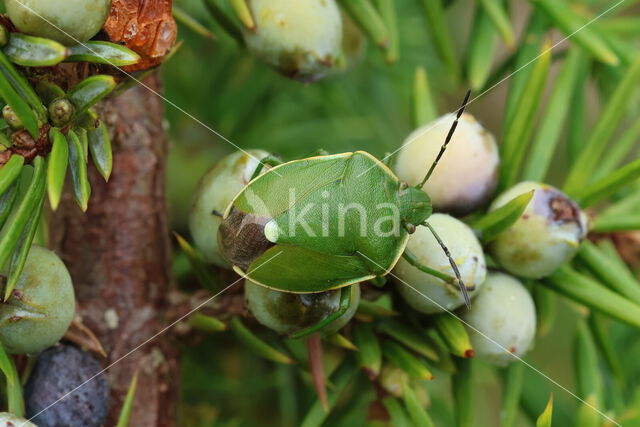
column 466, row 175
column 217, row 188
column 11, row 117
column 299, row 38
column 433, row 295
column 287, row 313
column 546, row 236
column 68, row 21
column 41, row 306
column 58, row 371
column 504, row 312
column 61, row 111
column 10, row 420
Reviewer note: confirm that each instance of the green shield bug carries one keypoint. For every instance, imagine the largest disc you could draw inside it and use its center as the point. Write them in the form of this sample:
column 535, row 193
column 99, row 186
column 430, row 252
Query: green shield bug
column 326, row 222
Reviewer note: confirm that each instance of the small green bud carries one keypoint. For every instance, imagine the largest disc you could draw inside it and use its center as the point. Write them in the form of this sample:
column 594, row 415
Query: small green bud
column 61, row 111
column 11, row 117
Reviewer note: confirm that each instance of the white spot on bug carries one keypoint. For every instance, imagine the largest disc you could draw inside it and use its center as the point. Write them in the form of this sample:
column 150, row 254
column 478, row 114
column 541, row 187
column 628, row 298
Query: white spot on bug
column 271, row 231
column 111, row 318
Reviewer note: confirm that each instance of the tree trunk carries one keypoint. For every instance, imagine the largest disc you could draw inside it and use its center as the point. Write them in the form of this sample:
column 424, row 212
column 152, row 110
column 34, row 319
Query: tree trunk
column 118, row 254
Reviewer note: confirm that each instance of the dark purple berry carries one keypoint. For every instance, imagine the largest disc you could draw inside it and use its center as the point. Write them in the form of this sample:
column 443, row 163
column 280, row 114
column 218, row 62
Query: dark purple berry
column 57, row 372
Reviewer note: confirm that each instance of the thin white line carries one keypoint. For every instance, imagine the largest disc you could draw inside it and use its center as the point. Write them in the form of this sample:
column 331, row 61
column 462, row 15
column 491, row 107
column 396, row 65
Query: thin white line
column 499, row 345
column 415, row 138
column 173, row 104
column 157, row 334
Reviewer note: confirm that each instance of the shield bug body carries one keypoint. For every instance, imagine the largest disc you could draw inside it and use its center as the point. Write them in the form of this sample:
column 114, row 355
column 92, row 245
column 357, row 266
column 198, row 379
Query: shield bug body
column 320, row 221
column 215, row 191
column 325, row 222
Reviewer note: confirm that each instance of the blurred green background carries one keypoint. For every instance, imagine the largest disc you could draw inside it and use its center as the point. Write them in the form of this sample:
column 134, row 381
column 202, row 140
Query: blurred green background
column 366, row 108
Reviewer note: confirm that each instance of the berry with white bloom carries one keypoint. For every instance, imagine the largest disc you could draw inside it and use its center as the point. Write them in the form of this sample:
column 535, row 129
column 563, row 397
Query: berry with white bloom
column 502, row 320
column 545, row 237
column 467, row 173
column 299, row 38
column 429, row 294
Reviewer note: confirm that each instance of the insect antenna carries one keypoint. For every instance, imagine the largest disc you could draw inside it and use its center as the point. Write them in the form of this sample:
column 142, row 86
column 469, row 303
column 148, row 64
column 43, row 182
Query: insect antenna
column 461, row 284
column 447, row 140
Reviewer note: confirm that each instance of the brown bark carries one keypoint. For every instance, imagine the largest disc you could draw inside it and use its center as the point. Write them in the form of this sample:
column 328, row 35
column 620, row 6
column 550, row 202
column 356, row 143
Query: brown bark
column 118, row 254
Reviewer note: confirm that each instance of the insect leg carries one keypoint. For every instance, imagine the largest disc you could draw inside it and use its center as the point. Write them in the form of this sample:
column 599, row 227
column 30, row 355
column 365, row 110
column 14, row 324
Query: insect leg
column 411, row 258
column 447, row 140
column 345, row 302
column 460, row 283
column 266, row 161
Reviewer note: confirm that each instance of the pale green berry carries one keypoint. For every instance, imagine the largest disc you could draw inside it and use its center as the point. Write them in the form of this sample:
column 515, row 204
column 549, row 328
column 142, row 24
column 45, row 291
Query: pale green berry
column 67, row 21
column 10, row 420
column 466, row 175
column 546, row 236
column 299, row 38
column 217, row 188
column 427, row 293
column 502, row 320
column 287, row 313
column 41, row 306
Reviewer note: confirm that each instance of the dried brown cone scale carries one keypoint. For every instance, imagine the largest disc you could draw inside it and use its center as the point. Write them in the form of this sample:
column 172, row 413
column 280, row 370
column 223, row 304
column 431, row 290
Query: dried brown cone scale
column 147, row 27
column 27, row 147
